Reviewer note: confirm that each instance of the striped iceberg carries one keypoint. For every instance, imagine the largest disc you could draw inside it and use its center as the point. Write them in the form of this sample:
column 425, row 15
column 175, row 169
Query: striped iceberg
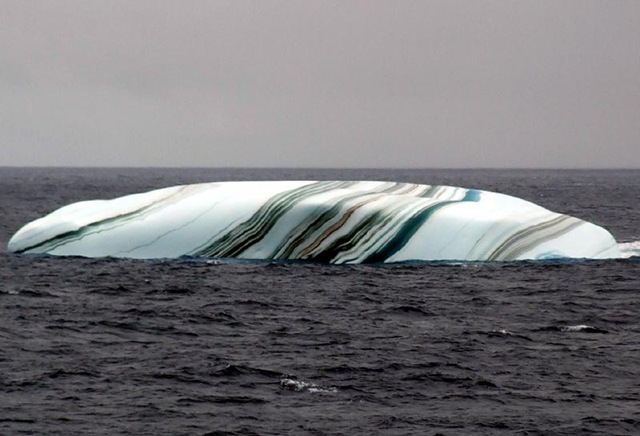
column 326, row 221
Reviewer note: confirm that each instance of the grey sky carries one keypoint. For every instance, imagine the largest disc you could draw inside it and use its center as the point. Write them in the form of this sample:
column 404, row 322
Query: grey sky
column 320, row 83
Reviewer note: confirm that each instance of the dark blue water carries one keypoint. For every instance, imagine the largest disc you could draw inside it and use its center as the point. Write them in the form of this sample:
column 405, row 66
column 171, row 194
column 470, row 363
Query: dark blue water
column 104, row 346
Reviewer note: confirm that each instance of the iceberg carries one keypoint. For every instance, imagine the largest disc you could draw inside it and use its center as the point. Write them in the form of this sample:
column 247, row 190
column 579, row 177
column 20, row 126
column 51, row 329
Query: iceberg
column 337, row 222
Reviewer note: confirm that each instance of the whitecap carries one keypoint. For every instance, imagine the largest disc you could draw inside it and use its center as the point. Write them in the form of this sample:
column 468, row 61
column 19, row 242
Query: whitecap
column 629, row 249
column 301, row 386
column 583, row 328
column 577, row 328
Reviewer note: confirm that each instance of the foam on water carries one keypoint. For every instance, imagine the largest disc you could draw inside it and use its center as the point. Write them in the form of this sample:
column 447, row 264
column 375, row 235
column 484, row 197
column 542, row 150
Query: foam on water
column 629, row 249
column 299, row 386
column 582, row 328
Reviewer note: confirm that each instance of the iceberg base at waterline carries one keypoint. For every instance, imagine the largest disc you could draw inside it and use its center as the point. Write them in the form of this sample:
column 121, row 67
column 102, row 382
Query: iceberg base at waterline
column 319, row 221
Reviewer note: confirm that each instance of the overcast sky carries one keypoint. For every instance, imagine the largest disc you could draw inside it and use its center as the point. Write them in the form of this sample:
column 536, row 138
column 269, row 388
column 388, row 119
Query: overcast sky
column 320, row 83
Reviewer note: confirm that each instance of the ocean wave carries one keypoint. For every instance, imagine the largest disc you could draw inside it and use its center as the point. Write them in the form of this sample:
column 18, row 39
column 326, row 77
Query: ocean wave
column 629, row 249
column 291, row 384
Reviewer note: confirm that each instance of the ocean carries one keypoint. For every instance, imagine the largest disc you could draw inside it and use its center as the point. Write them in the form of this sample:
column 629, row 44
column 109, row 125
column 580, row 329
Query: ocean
column 201, row 347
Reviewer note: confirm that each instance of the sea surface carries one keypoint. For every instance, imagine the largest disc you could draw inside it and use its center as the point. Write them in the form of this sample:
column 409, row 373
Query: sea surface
column 197, row 347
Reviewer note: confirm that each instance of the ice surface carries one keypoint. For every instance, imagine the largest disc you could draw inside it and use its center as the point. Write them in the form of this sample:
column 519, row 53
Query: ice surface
column 329, row 222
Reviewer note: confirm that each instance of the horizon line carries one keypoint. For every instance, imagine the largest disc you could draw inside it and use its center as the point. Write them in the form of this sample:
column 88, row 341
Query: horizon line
column 227, row 167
